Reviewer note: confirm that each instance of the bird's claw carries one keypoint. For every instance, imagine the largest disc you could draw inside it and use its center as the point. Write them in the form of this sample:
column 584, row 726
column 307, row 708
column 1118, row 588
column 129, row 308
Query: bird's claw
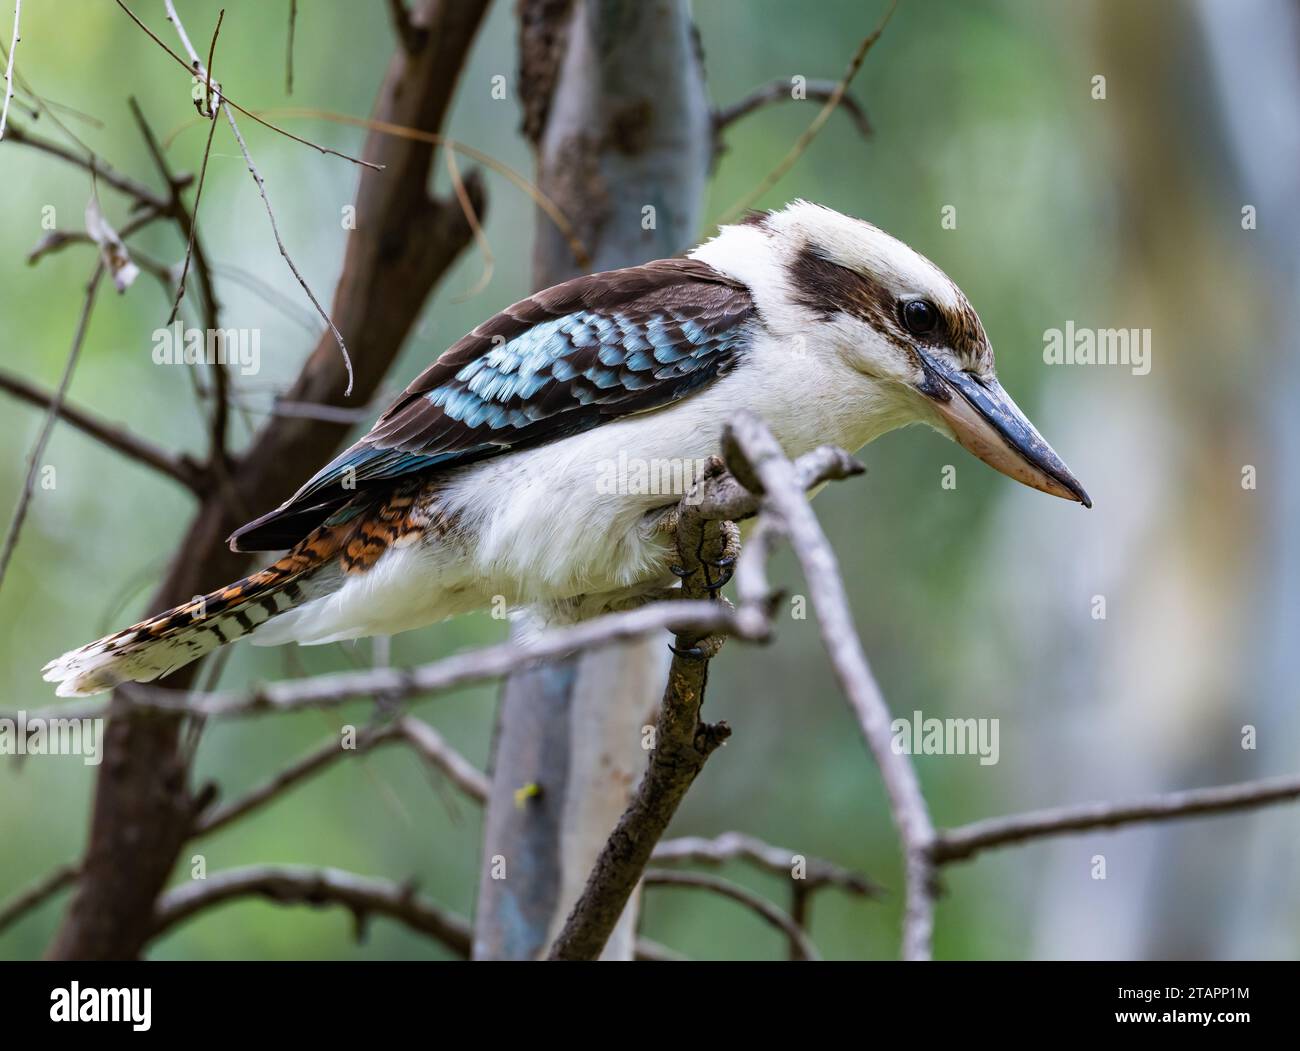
column 704, row 649
column 724, row 564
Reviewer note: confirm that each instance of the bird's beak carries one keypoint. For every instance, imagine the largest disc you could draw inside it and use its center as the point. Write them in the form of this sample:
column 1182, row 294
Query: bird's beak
column 986, row 422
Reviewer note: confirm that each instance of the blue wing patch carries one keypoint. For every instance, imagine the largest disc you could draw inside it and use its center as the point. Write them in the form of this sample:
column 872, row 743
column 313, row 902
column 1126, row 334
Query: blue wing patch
column 559, row 363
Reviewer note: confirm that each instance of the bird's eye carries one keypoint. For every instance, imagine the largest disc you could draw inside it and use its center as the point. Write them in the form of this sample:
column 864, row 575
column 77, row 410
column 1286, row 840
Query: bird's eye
column 920, row 316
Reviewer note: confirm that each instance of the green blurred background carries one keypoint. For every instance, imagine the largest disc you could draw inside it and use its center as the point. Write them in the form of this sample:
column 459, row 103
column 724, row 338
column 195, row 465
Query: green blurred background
column 978, row 601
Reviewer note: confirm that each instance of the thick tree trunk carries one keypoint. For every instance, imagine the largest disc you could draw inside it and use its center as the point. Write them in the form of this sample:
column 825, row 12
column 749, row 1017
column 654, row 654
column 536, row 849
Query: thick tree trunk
column 402, row 244
column 615, row 105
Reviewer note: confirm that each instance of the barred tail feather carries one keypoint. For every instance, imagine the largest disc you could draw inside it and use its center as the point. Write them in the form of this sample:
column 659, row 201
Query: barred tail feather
column 161, row 644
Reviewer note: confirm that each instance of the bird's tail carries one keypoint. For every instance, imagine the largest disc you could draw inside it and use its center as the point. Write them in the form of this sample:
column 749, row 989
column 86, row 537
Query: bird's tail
column 161, row 644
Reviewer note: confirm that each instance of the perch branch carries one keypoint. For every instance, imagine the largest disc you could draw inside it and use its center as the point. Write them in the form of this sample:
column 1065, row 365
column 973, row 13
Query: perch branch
column 682, row 742
column 756, row 452
column 489, row 662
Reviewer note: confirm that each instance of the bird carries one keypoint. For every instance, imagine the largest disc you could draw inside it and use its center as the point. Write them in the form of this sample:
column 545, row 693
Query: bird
column 476, row 488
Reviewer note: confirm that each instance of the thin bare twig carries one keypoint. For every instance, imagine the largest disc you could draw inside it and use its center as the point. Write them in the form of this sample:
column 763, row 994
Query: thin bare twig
column 731, row 846
column 427, row 743
column 9, row 68
column 434, row 750
column 51, row 417
column 363, row 896
column 313, row 762
column 778, row 918
column 179, row 468
column 194, row 68
column 269, row 295
column 200, row 70
column 965, row 841
column 55, row 240
column 749, row 438
column 37, row 894
column 261, row 188
column 802, row 143
column 779, row 90
column 581, row 256
column 93, row 164
column 198, row 190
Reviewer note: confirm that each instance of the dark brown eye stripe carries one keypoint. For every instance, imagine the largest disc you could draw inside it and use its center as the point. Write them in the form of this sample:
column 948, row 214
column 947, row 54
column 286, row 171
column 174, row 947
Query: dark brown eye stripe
column 828, row 289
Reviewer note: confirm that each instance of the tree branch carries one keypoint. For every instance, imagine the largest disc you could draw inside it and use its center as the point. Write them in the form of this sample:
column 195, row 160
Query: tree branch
column 37, row 894
column 753, row 451
column 780, row 90
column 778, row 918
column 965, row 841
column 194, row 67
column 297, row 885
column 101, row 171
column 201, row 70
column 434, row 750
column 682, row 742
column 731, row 846
column 480, row 665
column 179, row 468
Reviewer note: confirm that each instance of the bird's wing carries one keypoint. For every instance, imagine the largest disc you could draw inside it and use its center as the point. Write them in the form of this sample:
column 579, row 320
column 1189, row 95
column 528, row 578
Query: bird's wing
column 560, row 362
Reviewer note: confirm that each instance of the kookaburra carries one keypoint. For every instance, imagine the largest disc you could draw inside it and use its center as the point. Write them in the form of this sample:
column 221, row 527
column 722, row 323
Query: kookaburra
column 479, row 484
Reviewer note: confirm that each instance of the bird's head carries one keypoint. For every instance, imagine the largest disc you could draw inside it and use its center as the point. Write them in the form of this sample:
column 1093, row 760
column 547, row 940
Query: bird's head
column 896, row 318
